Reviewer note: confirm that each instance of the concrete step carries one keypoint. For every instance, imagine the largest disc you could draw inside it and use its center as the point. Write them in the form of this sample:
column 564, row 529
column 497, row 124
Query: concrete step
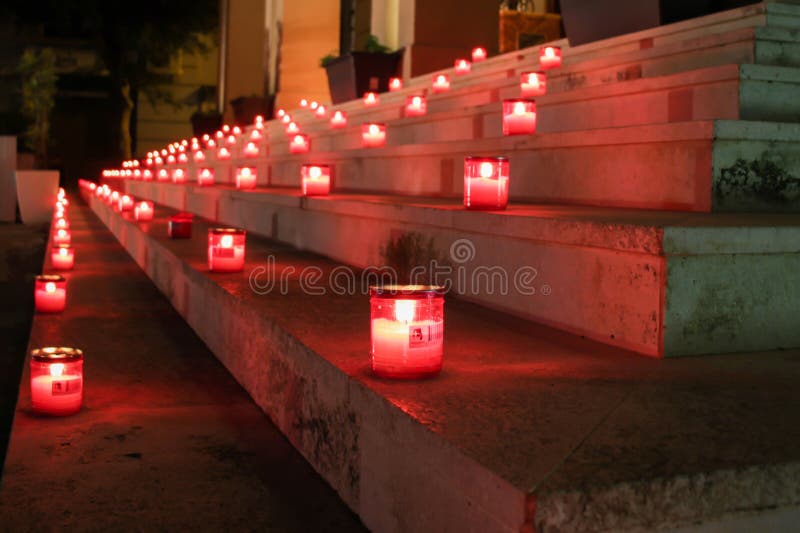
column 525, row 429
column 634, row 279
column 688, row 166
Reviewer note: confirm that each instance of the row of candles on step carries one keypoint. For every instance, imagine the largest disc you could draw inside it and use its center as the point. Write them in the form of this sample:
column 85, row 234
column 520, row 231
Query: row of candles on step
column 407, row 322
column 56, row 373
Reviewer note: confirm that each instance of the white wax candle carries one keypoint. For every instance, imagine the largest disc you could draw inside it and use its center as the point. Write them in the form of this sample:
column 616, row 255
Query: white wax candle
column 316, row 186
column 402, row 347
column 57, row 395
column 519, row 123
column 226, row 259
column 50, row 301
column 63, row 259
column 487, row 192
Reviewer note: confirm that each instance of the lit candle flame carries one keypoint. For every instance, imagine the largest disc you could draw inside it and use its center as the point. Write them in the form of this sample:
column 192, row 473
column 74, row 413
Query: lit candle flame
column 226, row 241
column 519, row 108
column 50, row 287
column 315, row 172
column 486, row 170
column 57, row 370
column 404, row 310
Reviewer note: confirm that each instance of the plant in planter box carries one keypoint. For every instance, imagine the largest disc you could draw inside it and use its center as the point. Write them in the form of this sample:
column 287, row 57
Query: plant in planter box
column 351, row 75
column 206, row 119
column 245, row 108
column 37, row 69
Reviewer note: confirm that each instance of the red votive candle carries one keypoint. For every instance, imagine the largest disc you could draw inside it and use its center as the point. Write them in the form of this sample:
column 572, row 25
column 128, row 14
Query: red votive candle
column 292, row 128
column 143, row 211
column 205, row 176
column 62, row 236
column 441, row 83
column 373, row 135
column 416, row 106
column 256, row 135
column 179, row 226
column 226, row 249
column 371, row 99
column 147, row 175
column 549, row 57
column 407, row 330
column 300, row 144
column 163, row 175
column 50, row 294
column 199, row 156
column 321, row 111
column 532, row 84
column 125, row 203
column 223, row 154
column 183, row 158
column 250, row 149
column 62, row 223
column 519, row 117
column 56, row 380
column 245, row 177
column 462, row 66
column 62, row 257
column 395, row 84
column 316, row 179
column 339, row 120
column 486, row 182
column 478, row 54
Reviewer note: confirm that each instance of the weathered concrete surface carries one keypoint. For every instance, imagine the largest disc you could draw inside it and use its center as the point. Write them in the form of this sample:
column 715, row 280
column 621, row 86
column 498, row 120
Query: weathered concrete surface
column 618, row 276
column 525, row 427
column 166, row 440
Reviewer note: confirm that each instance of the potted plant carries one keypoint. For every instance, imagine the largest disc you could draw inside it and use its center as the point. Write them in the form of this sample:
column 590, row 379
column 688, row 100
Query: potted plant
column 245, row 108
column 206, row 119
column 37, row 189
column 353, row 74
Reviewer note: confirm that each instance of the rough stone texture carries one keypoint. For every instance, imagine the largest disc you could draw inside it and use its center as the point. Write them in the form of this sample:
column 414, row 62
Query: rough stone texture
column 524, row 427
column 166, row 440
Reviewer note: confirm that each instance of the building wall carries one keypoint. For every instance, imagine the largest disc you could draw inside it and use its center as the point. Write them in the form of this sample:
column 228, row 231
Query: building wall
column 161, row 124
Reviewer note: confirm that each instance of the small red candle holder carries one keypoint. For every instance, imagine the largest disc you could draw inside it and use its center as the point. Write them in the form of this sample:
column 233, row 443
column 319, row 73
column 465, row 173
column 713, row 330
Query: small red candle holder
column 321, row 111
column 163, row 175
column 62, row 223
column 56, row 380
column 178, row 176
column 395, row 84
column 533, row 84
column 250, row 149
column 256, row 135
column 205, row 176
column 478, row 54
column 486, row 183
column 237, row 130
column 143, row 211
column 292, row 128
column 199, row 156
column 279, row 113
column 407, row 330
column 303, row 102
column 373, row 135
column 441, row 83
column 285, row 119
column 147, row 175
column 183, row 158
column 211, row 143
column 226, row 249
column 179, row 226
column 62, row 236
column 416, row 106
column 300, row 144
column 62, row 257
column 170, row 159
column 371, row 99
column 339, row 120
column 125, row 203
column 50, row 294
column 245, row 177
column 316, row 179
column 462, row 66
column 223, row 154
column 137, row 174
column 519, row 117
column 231, row 140
column 549, row 57
column 313, row 105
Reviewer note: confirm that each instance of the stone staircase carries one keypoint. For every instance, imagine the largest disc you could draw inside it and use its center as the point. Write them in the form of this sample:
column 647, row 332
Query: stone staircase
column 655, row 211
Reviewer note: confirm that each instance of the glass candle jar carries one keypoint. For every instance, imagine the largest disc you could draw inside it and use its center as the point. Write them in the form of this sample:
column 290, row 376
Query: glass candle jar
column 179, row 226
column 50, row 294
column 226, row 249
column 395, row 84
column 441, row 83
column 178, row 176
column 62, row 223
column 143, row 211
column 205, row 176
column 56, row 380
column 486, row 182
column 462, row 66
column 371, row 99
column 62, row 236
column 163, row 175
column 549, row 57
column 338, row 120
column 300, row 144
column 416, row 106
column 125, row 203
column 478, row 54
column 519, row 117
column 316, row 179
column 373, row 135
column 250, row 149
column 62, row 257
column 245, row 177
column 407, row 330
column 532, row 84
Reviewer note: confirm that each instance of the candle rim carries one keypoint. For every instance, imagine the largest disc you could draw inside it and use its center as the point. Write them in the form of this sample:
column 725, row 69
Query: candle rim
column 52, row 278
column 59, row 354
column 486, row 158
column 394, row 291
column 226, row 231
